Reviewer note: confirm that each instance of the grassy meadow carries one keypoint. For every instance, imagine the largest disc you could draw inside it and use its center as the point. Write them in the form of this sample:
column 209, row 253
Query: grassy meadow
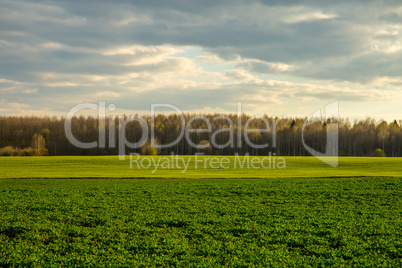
column 112, row 167
column 307, row 215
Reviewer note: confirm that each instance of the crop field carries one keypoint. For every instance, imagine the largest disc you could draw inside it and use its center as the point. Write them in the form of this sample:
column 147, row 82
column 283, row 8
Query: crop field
column 197, row 167
column 307, row 215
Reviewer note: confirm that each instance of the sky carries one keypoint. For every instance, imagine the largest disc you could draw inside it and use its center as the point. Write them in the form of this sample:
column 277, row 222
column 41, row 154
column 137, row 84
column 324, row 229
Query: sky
column 275, row 57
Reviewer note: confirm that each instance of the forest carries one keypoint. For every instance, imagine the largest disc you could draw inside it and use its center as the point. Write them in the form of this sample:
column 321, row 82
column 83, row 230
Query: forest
column 32, row 135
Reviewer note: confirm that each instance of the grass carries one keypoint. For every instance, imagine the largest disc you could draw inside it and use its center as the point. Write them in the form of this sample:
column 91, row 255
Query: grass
column 307, row 215
column 295, row 222
column 111, row 167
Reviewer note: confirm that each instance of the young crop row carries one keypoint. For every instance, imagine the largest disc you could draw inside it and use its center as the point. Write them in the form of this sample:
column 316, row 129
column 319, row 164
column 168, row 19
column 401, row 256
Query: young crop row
column 237, row 222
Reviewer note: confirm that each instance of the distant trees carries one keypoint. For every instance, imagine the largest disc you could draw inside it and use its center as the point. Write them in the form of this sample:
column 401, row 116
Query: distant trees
column 379, row 153
column 148, row 150
column 9, row 151
column 45, row 135
column 204, row 147
column 37, row 148
column 38, row 145
column 383, row 132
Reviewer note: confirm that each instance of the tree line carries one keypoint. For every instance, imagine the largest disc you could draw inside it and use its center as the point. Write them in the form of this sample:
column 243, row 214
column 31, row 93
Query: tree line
column 32, row 135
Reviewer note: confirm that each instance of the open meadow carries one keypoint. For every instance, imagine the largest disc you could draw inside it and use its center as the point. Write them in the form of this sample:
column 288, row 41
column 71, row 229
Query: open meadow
column 308, row 214
column 197, row 167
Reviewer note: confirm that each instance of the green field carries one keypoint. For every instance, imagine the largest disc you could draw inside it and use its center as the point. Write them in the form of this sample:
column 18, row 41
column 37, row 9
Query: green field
column 307, row 215
column 202, row 223
column 111, row 167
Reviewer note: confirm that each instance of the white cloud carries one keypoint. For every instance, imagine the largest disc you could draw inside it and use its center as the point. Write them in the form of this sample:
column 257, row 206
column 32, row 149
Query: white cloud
column 108, row 94
column 239, row 75
column 310, row 16
column 6, row 106
column 31, row 91
column 259, row 66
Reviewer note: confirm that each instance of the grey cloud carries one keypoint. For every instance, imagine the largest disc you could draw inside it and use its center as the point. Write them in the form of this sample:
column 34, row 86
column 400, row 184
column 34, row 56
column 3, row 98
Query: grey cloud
column 359, row 69
column 336, row 48
column 392, row 18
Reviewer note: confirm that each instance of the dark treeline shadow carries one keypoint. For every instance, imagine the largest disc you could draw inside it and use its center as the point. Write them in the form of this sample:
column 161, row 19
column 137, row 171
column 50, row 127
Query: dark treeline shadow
column 361, row 138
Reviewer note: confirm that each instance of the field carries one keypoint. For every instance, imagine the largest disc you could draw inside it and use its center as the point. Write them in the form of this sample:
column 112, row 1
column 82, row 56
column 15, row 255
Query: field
column 309, row 214
column 111, row 167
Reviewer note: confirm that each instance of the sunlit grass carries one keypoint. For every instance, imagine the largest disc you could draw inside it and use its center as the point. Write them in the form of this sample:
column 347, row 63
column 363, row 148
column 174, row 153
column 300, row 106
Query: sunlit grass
column 112, row 167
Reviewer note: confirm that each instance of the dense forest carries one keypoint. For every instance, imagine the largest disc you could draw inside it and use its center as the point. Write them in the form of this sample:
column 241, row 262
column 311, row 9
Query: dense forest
column 46, row 135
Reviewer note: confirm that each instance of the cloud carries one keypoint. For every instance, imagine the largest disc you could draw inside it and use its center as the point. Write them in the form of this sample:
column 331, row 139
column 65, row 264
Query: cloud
column 198, row 54
column 311, row 16
column 239, row 75
column 7, row 107
column 31, row 91
column 259, row 66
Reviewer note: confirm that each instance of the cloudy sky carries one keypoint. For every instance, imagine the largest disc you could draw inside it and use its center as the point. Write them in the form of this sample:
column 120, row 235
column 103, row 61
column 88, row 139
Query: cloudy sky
column 276, row 57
